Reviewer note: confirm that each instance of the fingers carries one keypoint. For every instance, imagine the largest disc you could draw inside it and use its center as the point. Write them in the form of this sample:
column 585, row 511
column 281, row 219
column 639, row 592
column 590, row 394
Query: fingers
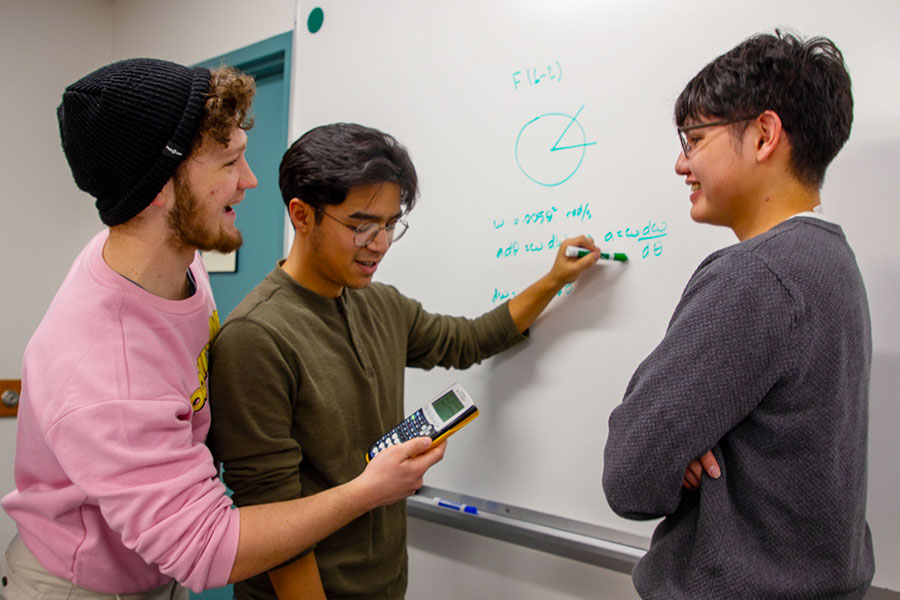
column 416, row 454
column 710, row 465
column 581, row 241
column 400, row 452
column 425, row 460
column 416, row 446
column 397, row 471
column 584, row 241
column 570, row 268
column 692, row 475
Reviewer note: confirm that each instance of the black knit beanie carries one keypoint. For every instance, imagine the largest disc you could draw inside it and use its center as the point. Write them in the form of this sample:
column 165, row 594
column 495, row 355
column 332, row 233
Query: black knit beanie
column 126, row 127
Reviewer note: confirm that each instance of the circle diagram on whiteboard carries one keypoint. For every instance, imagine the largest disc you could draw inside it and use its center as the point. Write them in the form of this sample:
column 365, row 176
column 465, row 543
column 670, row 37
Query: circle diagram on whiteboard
column 550, row 148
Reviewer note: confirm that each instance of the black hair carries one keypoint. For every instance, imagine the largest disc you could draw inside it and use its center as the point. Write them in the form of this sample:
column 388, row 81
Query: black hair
column 805, row 82
column 323, row 165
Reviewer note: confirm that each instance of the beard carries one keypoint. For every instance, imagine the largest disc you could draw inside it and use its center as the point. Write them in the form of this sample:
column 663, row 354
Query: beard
column 189, row 226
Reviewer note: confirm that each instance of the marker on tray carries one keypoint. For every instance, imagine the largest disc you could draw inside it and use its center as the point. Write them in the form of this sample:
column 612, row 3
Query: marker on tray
column 578, row 252
column 466, row 508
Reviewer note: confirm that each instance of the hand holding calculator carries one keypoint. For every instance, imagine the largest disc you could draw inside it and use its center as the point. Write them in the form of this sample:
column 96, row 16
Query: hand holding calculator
column 438, row 419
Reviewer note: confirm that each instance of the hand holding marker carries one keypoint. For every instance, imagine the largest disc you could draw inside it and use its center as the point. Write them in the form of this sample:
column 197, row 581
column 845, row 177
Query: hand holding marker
column 578, row 252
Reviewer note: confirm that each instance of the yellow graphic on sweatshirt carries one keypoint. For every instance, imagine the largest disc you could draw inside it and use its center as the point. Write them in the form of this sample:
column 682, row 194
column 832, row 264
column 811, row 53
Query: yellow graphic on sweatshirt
column 198, row 398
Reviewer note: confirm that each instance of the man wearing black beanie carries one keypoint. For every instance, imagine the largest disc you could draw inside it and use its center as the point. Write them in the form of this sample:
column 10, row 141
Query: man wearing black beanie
column 116, row 493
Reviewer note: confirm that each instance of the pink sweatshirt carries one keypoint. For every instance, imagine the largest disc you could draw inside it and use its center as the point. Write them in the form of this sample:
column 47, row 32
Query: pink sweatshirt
column 115, row 489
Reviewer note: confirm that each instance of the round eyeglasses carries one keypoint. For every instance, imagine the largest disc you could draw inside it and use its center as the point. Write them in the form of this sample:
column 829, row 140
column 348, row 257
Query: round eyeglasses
column 365, row 234
column 687, row 146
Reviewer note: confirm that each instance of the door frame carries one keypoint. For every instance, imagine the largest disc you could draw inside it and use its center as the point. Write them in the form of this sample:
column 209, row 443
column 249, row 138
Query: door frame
column 270, row 60
column 266, row 58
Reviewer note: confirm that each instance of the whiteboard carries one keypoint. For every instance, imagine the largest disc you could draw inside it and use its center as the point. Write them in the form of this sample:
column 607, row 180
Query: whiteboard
column 530, row 121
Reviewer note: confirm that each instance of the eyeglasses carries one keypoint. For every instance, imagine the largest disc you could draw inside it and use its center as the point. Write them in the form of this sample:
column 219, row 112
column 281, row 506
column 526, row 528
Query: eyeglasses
column 686, row 145
column 365, row 234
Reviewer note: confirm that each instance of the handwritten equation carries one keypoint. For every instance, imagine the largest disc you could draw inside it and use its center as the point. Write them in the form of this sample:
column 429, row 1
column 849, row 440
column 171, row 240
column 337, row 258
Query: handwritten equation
column 649, row 237
column 504, row 295
column 532, row 77
column 530, row 236
column 582, row 212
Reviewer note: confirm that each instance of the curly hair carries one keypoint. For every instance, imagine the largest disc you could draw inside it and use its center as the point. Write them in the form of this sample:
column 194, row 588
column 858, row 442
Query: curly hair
column 805, row 82
column 227, row 104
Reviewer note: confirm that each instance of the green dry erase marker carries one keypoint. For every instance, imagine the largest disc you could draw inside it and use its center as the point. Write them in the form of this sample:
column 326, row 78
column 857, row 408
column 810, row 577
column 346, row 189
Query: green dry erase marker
column 578, row 252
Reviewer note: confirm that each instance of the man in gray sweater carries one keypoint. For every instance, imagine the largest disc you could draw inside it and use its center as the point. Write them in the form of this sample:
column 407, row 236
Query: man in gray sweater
column 766, row 358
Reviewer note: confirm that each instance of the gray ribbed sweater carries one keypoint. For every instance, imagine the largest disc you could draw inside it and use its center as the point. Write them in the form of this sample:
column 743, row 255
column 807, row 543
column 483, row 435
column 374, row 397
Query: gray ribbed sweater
column 766, row 361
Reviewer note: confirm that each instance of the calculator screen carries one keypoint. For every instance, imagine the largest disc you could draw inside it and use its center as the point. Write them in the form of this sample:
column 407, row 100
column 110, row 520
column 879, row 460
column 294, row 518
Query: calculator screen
column 447, row 405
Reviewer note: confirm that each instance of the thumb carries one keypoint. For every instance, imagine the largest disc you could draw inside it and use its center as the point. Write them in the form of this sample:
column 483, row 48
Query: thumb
column 417, row 446
column 710, row 465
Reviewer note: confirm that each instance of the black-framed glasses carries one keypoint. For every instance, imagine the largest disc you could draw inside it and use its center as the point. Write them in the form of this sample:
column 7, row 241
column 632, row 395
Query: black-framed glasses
column 682, row 131
column 365, row 234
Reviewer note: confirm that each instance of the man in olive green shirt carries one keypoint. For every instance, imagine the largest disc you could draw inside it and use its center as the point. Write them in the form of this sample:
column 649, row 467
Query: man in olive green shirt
column 308, row 370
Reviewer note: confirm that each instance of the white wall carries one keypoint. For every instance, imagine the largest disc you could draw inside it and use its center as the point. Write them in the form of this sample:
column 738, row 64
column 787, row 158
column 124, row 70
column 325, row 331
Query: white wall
column 195, row 30
column 44, row 218
column 448, row 564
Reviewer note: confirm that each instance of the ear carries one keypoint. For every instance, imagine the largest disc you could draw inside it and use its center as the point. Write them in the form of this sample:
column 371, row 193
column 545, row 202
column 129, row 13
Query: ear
column 166, row 194
column 303, row 215
column 768, row 134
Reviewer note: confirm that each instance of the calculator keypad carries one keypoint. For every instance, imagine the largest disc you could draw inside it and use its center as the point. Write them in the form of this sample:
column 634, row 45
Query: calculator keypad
column 415, row 425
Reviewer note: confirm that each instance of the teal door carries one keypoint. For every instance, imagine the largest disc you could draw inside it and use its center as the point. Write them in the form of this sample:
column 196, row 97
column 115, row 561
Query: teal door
column 260, row 216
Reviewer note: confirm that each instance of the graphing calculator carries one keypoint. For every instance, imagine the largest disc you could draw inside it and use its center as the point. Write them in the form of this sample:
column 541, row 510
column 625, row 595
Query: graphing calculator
column 438, row 419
